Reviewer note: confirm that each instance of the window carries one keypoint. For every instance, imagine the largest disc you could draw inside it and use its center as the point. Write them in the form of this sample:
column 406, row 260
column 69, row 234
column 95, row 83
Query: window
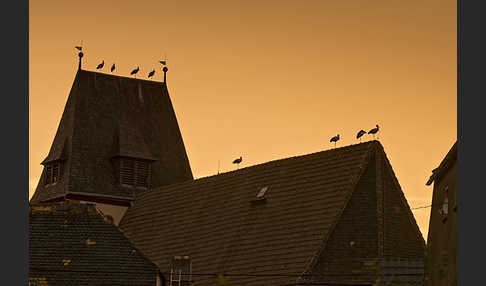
column 444, row 207
column 53, row 173
column 180, row 271
column 261, row 193
column 135, row 172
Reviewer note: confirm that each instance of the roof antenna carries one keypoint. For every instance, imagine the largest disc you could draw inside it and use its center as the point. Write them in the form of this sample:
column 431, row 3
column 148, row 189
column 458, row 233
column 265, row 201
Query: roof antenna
column 80, row 54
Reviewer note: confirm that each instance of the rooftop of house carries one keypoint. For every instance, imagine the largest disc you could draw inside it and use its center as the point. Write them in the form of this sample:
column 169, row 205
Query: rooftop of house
column 72, row 244
column 273, row 217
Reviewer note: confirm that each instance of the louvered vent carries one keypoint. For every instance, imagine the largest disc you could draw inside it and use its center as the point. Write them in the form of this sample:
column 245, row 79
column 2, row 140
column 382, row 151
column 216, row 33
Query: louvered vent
column 127, row 172
column 143, row 173
column 53, row 173
column 135, row 172
column 48, row 174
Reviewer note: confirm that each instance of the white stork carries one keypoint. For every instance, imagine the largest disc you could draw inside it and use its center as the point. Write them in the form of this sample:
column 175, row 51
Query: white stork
column 360, row 133
column 374, row 130
column 238, row 161
column 335, row 139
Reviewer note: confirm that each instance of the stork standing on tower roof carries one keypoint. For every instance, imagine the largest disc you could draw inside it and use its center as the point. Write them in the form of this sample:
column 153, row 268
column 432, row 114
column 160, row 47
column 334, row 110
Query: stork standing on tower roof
column 360, row 133
column 335, row 139
column 100, row 66
column 374, row 130
column 112, row 67
column 151, row 74
column 238, row 161
column 135, row 71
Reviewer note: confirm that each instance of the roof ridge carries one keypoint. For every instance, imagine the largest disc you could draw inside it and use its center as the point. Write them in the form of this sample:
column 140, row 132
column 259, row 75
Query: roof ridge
column 124, row 77
column 235, row 172
column 352, row 187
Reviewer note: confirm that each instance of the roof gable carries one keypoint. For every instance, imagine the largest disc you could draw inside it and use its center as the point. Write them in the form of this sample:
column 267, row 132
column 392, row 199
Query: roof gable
column 446, row 163
column 219, row 222
column 106, row 116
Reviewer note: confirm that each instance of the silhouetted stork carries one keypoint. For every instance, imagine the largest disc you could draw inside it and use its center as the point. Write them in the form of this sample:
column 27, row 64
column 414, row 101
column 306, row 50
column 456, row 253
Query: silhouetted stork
column 151, row 74
column 112, row 67
column 135, row 71
column 101, row 65
column 360, row 133
column 238, row 161
column 374, row 130
column 335, row 139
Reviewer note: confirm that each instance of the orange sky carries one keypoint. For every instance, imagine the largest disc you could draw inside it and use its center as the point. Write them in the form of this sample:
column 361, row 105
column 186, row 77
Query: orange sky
column 266, row 79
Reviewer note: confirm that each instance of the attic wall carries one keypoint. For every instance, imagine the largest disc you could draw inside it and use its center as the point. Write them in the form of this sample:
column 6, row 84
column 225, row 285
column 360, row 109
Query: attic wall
column 402, row 239
column 354, row 237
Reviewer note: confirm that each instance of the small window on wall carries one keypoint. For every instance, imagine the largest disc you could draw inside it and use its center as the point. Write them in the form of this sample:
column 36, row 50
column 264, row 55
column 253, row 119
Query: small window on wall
column 444, row 207
column 135, row 172
column 53, row 173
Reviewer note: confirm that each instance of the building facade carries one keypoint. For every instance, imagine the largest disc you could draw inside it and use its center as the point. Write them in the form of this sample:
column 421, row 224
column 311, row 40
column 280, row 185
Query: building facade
column 442, row 236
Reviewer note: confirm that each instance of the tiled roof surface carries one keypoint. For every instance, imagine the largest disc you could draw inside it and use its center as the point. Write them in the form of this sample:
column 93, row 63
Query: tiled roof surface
column 71, row 244
column 221, row 225
column 105, row 116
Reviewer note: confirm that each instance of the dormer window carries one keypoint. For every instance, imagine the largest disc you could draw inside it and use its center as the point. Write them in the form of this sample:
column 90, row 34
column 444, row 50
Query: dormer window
column 135, row 172
column 53, row 173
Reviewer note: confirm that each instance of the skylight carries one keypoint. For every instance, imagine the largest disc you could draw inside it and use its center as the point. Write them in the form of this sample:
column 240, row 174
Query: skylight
column 261, row 193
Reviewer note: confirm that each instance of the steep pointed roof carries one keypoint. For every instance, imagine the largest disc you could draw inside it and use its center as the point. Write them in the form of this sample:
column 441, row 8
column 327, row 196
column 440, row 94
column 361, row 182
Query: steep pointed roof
column 107, row 116
column 221, row 224
column 72, row 244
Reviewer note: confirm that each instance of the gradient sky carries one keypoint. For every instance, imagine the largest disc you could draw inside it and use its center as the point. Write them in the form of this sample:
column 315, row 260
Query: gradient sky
column 266, row 79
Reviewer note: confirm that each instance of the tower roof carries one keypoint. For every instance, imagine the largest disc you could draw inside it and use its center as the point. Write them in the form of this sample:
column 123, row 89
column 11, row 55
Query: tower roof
column 108, row 116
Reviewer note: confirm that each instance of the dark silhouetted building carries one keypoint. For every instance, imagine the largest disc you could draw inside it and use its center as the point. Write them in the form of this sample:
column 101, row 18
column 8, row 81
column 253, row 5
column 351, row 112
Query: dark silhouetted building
column 442, row 236
column 73, row 244
column 337, row 217
column 117, row 138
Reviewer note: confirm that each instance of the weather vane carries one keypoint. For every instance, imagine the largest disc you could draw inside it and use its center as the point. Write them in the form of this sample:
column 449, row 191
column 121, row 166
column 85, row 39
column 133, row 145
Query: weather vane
column 165, row 69
column 80, row 54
